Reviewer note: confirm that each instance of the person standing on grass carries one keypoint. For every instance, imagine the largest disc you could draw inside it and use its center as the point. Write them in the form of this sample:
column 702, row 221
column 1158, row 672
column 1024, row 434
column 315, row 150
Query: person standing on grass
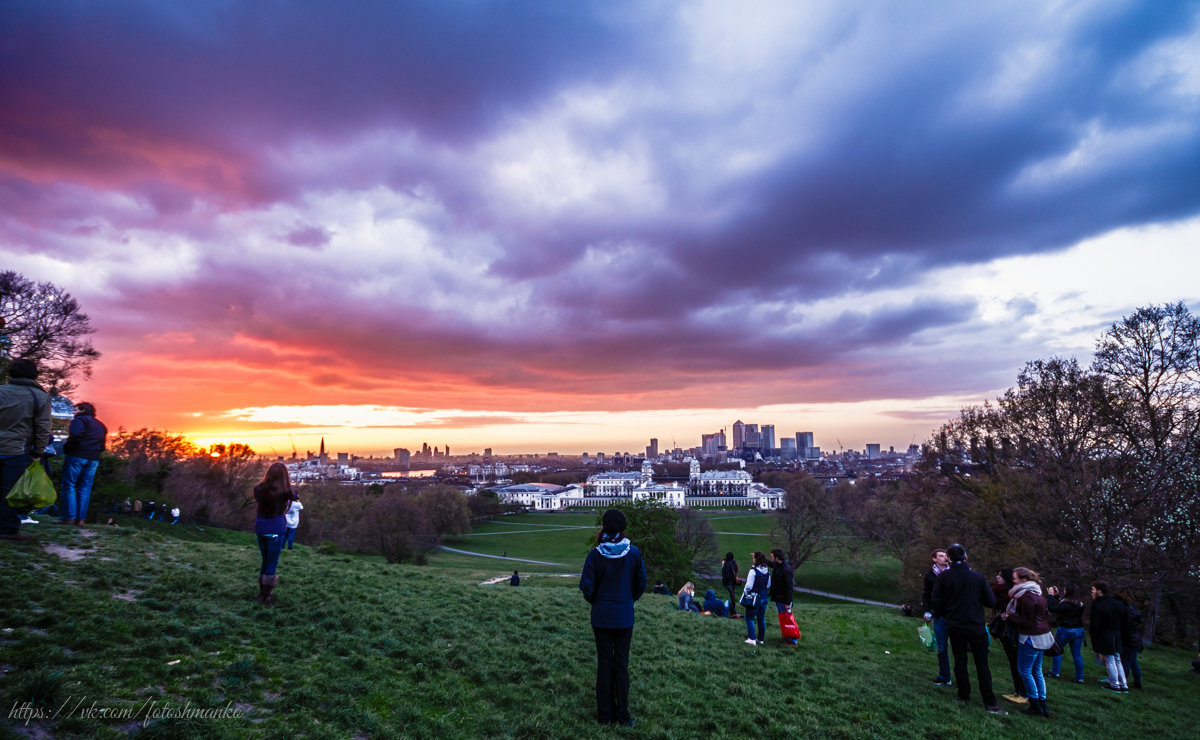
column 613, row 578
column 1026, row 613
column 292, row 519
column 24, row 433
column 272, row 495
column 1001, row 585
column 758, row 582
column 730, row 580
column 85, row 441
column 783, row 586
column 1131, row 641
column 1107, row 615
column 1069, row 609
column 939, row 563
column 961, row 595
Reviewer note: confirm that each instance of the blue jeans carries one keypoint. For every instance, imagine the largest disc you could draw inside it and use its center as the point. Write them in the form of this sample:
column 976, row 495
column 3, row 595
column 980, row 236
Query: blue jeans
column 289, row 538
column 1072, row 636
column 1029, row 665
column 782, row 609
column 269, row 546
column 757, row 613
column 77, row 476
column 11, row 468
column 941, row 633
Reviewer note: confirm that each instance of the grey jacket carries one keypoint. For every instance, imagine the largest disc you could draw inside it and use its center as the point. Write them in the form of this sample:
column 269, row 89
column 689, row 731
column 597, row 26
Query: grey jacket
column 24, row 417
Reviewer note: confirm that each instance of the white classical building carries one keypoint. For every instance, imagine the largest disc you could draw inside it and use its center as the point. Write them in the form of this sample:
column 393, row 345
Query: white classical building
column 715, row 489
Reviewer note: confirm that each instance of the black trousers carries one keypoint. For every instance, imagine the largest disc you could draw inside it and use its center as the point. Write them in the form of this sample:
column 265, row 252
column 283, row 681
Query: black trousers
column 1010, row 652
column 976, row 643
column 612, row 674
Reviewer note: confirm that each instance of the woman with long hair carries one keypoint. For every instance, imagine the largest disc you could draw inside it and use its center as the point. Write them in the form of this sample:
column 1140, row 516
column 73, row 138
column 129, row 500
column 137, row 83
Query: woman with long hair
column 1069, row 608
column 758, row 585
column 273, row 495
column 687, row 598
column 613, row 578
column 1026, row 613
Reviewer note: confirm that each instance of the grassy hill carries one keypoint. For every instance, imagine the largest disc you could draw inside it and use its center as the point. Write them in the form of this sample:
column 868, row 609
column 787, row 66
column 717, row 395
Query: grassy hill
column 141, row 619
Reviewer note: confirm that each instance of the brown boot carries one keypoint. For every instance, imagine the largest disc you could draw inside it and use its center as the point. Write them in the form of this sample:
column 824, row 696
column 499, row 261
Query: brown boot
column 268, row 585
column 262, row 590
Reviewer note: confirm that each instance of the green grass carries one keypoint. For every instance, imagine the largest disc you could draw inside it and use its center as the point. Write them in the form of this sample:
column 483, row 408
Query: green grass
column 357, row 648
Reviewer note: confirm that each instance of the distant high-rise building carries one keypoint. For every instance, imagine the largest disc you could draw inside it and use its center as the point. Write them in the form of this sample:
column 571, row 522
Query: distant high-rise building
column 804, row 444
column 343, row 458
column 739, row 435
column 447, row 450
column 487, row 451
column 872, row 452
column 753, row 440
column 652, row 449
column 323, row 458
column 402, row 457
column 787, row 447
column 767, row 437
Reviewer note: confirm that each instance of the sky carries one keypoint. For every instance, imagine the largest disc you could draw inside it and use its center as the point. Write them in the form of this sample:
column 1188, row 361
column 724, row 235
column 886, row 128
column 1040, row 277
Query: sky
column 548, row 226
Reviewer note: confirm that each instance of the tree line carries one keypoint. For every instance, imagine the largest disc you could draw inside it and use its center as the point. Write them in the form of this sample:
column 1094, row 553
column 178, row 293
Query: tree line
column 1079, row 472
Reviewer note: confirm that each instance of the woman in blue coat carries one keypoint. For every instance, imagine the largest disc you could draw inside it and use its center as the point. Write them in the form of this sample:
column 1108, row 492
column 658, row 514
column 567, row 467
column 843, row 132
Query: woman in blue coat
column 613, row 578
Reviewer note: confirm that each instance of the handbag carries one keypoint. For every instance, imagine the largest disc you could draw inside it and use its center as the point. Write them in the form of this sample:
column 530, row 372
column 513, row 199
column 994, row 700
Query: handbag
column 1054, row 651
column 33, row 490
column 997, row 627
column 749, row 599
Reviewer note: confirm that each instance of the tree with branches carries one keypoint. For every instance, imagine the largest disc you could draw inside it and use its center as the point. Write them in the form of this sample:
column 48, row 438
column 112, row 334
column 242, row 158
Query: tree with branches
column 42, row 322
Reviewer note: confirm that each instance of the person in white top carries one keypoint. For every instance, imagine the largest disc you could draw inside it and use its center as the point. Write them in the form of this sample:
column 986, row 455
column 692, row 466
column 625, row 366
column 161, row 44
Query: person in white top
column 292, row 519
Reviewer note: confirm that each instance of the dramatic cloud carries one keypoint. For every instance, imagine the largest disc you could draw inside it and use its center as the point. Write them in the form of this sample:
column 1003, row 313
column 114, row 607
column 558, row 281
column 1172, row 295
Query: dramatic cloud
column 518, row 209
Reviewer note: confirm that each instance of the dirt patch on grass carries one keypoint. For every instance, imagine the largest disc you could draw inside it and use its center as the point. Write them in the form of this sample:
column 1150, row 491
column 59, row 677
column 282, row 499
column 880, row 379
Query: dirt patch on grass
column 66, row 553
column 129, row 595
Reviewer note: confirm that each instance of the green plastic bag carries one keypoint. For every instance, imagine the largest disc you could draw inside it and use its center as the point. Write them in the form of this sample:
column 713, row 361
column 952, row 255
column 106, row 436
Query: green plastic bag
column 926, row 636
column 33, row 490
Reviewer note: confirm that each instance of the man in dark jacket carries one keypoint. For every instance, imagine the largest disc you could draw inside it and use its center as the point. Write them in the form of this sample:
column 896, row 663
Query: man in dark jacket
column 940, row 562
column 960, row 595
column 1107, row 614
column 783, row 584
column 729, row 581
column 613, row 578
column 24, row 434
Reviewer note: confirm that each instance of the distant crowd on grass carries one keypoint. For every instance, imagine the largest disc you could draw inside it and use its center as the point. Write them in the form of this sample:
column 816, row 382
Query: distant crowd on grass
column 955, row 599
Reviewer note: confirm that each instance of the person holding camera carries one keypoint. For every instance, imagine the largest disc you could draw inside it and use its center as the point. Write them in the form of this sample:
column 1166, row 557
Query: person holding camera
column 1066, row 604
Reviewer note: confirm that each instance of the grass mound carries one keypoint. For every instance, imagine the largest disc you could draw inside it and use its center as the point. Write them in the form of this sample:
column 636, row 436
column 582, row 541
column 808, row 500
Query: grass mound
column 121, row 632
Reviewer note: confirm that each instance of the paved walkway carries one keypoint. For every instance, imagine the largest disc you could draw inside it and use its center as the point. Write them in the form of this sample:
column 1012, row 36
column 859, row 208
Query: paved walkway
column 497, row 557
column 812, row 591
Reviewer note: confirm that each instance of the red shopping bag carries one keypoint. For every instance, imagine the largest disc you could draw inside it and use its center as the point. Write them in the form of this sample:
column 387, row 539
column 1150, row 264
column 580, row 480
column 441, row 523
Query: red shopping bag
column 788, row 626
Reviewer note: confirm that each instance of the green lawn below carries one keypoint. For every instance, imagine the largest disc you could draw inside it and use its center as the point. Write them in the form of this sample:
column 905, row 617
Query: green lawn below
column 152, row 617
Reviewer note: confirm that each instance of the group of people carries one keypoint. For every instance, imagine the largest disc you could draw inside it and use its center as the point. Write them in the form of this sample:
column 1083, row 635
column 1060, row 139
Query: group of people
column 25, row 436
column 955, row 597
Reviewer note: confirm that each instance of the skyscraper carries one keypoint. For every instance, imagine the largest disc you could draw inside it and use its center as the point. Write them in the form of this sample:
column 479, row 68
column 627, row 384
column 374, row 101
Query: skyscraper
column 739, row 434
column 652, row 449
column 767, row 438
column 804, row 444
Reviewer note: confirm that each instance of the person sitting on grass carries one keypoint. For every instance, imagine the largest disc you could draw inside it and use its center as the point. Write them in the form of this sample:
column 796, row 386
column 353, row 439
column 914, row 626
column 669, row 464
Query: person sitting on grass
column 713, row 605
column 687, row 598
column 661, row 588
column 515, row 580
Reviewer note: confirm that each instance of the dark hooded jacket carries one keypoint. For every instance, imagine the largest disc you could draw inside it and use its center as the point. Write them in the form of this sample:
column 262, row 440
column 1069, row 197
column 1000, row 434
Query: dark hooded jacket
column 613, row 578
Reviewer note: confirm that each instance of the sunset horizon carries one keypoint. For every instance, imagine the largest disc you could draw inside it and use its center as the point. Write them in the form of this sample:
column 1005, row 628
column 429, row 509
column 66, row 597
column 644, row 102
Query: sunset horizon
column 545, row 227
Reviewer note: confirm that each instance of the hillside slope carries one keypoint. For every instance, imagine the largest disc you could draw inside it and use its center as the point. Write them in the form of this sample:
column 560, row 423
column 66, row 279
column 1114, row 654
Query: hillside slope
column 132, row 621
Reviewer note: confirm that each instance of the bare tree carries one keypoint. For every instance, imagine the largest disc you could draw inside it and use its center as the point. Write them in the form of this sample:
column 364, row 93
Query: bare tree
column 807, row 516
column 694, row 533
column 42, row 322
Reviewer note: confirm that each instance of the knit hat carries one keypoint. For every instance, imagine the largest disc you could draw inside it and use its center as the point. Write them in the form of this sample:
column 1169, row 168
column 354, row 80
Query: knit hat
column 613, row 521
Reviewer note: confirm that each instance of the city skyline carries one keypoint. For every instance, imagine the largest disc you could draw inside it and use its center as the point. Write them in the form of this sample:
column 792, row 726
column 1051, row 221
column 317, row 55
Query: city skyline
column 544, row 226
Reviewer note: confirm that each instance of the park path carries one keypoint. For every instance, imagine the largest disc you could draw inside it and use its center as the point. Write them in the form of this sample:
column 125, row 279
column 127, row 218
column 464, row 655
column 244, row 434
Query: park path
column 812, row 591
column 497, row 557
